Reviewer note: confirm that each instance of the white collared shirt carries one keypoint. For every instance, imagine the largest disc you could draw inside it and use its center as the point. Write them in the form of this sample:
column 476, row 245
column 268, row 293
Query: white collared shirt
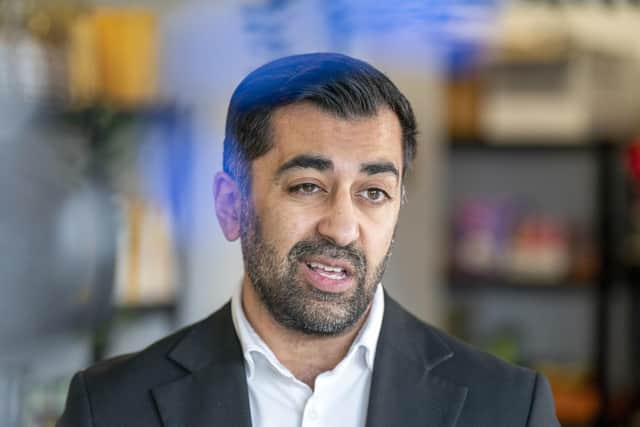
column 340, row 396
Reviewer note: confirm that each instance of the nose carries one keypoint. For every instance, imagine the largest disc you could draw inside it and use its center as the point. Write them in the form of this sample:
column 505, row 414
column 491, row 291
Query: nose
column 340, row 222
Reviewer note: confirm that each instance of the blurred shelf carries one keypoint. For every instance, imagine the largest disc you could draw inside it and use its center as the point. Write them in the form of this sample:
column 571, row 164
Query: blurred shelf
column 470, row 284
column 591, row 408
column 144, row 309
column 527, row 145
column 144, row 109
column 104, row 117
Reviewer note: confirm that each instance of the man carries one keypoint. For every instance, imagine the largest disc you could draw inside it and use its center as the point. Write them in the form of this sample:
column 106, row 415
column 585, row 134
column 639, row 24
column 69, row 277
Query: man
column 316, row 151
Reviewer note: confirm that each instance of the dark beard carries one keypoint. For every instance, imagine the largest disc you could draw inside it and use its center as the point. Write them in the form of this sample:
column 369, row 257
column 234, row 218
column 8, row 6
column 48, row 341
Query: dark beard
column 292, row 302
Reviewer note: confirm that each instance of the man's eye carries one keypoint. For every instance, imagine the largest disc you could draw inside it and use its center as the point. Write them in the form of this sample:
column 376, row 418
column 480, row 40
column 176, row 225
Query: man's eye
column 305, row 188
column 375, row 195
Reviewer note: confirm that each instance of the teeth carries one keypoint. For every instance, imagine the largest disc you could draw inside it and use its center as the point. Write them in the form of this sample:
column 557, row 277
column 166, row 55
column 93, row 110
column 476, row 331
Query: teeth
column 334, row 276
column 326, row 267
column 334, row 273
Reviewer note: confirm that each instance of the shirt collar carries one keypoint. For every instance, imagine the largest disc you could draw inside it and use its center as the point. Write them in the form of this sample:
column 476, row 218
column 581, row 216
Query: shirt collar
column 251, row 342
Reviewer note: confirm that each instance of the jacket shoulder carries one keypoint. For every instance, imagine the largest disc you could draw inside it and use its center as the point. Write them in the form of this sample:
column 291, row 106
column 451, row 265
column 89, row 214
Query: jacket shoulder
column 498, row 393
column 470, row 362
column 119, row 391
column 480, row 367
column 508, row 395
column 118, row 388
column 135, row 368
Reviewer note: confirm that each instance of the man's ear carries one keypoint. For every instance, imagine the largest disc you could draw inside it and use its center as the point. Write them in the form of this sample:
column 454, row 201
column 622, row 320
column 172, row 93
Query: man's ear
column 227, row 197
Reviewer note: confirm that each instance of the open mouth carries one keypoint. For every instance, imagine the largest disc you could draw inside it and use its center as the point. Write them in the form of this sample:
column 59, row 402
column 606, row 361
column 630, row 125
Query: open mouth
column 329, row 274
column 335, row 273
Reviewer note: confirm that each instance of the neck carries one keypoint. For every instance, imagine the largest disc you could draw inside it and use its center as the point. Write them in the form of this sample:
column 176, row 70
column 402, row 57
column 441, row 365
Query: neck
column 306, row 356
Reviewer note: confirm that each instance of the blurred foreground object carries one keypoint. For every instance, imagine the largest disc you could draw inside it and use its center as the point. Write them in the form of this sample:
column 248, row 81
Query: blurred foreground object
column 632, row 163
column 545, row 240
column 57, row 245
column 56, row 222
column 577, row 398
column 569, row 98
column 509, row 241
column 70, row 78
column 67, row 53
column 113, row 56
column 564, row 72
column 145, row 269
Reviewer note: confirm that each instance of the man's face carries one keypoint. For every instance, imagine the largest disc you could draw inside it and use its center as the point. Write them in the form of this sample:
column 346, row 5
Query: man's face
column 318, row 226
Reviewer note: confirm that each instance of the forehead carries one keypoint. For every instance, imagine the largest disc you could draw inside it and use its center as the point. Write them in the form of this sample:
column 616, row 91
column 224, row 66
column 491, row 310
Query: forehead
column 305, row 128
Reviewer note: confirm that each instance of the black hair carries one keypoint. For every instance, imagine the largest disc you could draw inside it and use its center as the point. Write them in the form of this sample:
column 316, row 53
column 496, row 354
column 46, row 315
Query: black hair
column 338, row 84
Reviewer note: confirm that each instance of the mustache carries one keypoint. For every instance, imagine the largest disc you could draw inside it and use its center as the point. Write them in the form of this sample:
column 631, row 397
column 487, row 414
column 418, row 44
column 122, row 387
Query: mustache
column 323, row 247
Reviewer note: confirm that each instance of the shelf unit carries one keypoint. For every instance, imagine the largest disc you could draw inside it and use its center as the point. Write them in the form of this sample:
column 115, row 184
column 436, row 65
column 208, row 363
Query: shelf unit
column 99, row 123
column 459, row 283
column 605, row 155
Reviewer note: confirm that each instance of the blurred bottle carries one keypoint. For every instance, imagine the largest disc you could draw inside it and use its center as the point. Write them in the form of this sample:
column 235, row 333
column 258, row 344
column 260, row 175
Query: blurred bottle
column 81, row 54
column 585, row 261
column 113, row 57
column 146, row 270
column 539, row 250
column 575, row 394
column 50, row 22
column 82, row 62
column 127, row 46
column 478, row 231
column 463, row 99
column 24, row 67
column 632, row 163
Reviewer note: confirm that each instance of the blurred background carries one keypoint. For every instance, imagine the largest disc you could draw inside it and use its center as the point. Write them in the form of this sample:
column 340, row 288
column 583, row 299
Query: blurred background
column 522, row 230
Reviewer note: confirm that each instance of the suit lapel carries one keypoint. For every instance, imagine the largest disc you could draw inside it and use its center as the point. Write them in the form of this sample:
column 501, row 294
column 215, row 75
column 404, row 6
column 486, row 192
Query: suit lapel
column 404, row 389
column 214, row 391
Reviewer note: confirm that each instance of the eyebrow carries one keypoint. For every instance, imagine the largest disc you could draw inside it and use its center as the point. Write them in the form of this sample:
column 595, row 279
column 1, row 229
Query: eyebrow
column 321, row 164
column 379, row 167
column 305, row 161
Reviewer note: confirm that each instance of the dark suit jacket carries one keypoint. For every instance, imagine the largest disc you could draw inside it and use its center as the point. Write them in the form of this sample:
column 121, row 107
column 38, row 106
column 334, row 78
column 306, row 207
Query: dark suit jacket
column 421, row 377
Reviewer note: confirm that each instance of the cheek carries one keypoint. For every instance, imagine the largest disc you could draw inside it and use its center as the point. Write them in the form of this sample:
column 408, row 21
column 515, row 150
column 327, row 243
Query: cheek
column 377, row 236
column 378, row 245
column 284, row 228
